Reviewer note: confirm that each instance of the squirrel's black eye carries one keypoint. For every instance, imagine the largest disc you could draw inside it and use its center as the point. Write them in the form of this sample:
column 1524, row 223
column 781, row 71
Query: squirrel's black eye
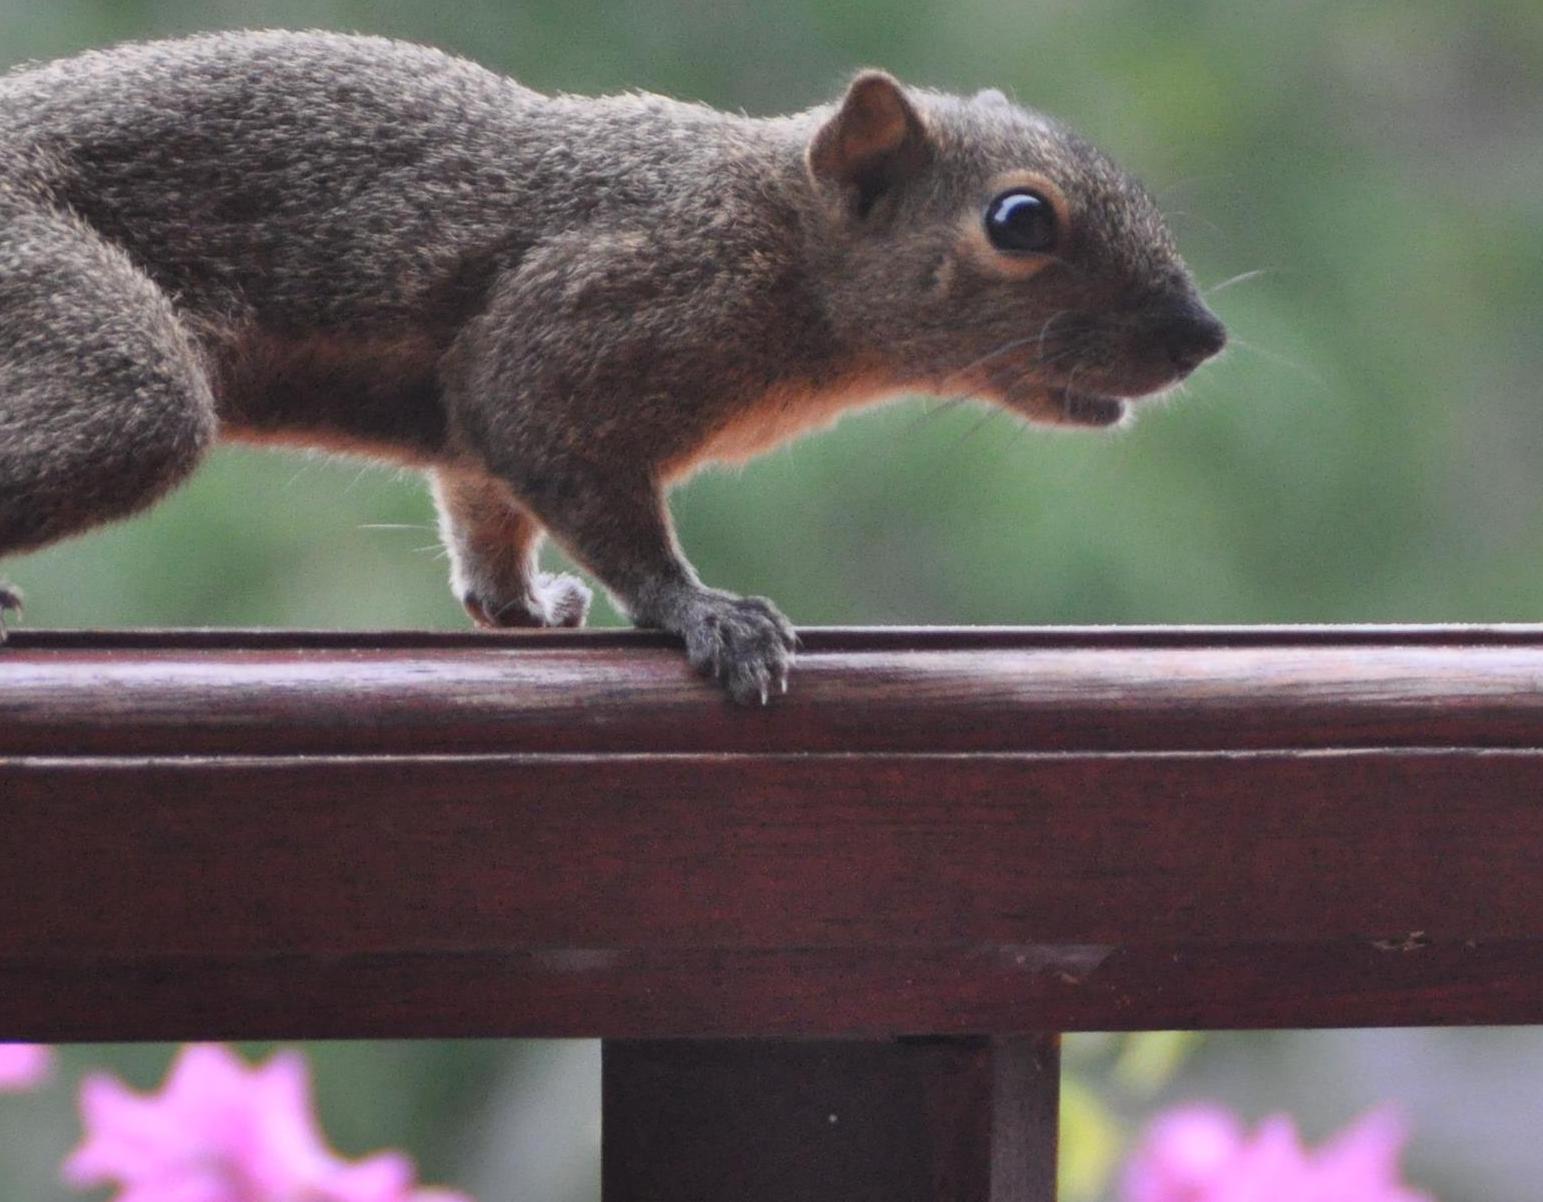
column 1021, row 222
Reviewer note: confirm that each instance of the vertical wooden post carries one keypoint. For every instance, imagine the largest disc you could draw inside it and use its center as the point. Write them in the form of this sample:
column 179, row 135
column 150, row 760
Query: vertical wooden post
column 777, row 1120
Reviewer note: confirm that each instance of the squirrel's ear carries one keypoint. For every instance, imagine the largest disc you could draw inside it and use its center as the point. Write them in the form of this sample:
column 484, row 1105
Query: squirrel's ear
column 875, row 140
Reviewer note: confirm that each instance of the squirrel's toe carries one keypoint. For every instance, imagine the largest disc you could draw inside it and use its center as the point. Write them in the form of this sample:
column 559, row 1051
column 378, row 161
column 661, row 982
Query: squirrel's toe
column 565, row 599
column 550, row 601
column 746, row 644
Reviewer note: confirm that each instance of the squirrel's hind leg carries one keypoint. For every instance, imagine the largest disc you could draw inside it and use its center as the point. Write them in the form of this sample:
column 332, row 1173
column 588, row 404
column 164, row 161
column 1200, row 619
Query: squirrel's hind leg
column 104, row 405
column 492, row 543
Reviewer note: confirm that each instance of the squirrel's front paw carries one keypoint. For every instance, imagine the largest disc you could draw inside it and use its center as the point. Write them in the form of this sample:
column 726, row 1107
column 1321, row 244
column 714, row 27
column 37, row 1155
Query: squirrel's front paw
column 744, row 642
column 549, row 600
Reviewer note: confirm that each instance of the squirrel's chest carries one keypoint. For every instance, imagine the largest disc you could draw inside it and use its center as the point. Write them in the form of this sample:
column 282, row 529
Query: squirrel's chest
column 780, row 414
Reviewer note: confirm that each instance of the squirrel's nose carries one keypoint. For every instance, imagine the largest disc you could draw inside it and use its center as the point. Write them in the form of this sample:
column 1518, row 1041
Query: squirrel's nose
column 1191, row 336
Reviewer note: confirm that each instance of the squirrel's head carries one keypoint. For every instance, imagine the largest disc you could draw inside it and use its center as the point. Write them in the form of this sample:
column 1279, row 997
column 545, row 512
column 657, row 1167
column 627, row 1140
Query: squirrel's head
column 975, row 247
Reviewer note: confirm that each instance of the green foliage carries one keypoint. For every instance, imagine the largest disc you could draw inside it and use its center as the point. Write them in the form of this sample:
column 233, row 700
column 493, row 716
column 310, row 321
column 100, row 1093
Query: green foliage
column 1106, row 1079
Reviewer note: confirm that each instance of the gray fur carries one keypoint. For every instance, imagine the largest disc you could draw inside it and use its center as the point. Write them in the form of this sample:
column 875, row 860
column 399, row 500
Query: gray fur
column 557, row 306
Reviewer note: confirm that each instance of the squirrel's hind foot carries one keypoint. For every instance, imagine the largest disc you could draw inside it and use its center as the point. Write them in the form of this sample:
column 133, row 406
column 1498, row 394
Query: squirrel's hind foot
column 10, row 602
column 550, row 600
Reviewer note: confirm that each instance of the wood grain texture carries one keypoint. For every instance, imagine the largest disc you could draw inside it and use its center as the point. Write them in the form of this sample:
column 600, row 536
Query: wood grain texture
column 941, row 832
column 932, row 1120
column 232, row 693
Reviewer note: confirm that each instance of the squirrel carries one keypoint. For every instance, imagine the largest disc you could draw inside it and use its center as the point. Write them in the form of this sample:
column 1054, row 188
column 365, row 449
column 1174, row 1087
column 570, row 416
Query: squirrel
column 554, row 306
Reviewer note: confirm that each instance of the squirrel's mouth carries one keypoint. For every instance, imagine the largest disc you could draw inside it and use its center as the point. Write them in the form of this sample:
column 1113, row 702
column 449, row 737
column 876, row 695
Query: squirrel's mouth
column 1058, row 404
column 1090, row 408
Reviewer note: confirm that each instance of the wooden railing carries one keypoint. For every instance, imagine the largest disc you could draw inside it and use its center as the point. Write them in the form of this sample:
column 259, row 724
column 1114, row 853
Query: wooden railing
column 828, row 944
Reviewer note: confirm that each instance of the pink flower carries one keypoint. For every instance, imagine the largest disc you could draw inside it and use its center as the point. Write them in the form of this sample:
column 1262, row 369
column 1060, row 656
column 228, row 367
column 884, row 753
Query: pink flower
column 223, row 1131
column 24, row 1065
column 1203, row 1154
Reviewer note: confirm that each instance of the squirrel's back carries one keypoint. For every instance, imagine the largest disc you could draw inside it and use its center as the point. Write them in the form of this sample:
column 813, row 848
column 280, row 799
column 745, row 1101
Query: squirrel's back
column 324, row 178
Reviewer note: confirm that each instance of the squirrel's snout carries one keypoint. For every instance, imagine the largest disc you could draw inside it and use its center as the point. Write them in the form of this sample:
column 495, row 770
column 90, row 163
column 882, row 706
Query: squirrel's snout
column 1191, row 336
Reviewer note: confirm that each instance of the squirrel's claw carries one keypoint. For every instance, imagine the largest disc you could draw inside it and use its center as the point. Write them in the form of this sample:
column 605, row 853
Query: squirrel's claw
column 743, row 642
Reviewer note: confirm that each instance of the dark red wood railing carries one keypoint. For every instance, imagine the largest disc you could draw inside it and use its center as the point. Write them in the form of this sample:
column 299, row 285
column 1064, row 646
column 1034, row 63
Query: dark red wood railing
column 828, row 944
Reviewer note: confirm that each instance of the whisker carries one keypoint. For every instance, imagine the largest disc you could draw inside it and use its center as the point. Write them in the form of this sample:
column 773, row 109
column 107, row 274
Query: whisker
column 949, row 403
column 1067, row 389
column 931, row 411
column 1274, row 357
column 946, row 455
column 1241, row 278
column 306, row 464
column 947, row 382
column 1005, row 348
column 923, row 483
column 1044, row 332
column 1182, row 215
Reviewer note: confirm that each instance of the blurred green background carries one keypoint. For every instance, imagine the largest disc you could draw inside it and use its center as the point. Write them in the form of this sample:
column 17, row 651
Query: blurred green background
column 1369, row 450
